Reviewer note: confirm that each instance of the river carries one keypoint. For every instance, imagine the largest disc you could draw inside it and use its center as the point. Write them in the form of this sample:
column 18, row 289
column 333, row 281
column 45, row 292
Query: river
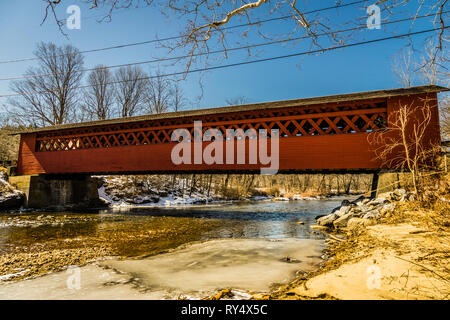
column 159, row 253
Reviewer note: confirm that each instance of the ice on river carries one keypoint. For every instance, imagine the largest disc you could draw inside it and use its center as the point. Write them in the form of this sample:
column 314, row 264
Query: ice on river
column 194, row 271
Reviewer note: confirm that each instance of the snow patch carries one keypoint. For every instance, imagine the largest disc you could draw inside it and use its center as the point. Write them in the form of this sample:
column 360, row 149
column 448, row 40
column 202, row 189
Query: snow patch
column 13, row 275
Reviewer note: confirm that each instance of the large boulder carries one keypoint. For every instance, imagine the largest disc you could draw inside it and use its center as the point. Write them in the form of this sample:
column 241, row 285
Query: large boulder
column 341, row 222
column 377, row 202
column 358, row 200
column 343, row 210
column 364, row 202
column 327, row 221
column 345, row 203
column 12, row 200
column 361, row 210
column 373, row 214
column 387, row 208
column 396, row 195
column 399, row 195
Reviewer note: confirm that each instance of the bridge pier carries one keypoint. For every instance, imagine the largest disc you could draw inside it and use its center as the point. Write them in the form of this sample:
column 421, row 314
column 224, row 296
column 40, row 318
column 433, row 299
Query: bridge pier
column 375, row 181
column 58, row 191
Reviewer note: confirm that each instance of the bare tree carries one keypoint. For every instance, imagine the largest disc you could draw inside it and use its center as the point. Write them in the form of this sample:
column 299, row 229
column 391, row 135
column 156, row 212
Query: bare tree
column 445, row 117
column 99, row 95
column 433, row 67
column 178, row 98
column 404, row 67
column 158, row 94
column 426, row 67
column 406, row 145
column 48, row 94
column 131, row 84
column 163, row 95
column 237, row 101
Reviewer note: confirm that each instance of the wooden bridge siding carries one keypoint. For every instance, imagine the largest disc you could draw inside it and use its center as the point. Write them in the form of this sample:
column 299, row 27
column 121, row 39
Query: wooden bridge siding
column 296, row 153
column 341, row 151
column 27, row 162
column 433, row 133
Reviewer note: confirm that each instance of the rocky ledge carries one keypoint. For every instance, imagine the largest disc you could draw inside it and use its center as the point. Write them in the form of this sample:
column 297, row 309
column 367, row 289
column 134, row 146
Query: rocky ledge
column 363, row 211
column 10, row 198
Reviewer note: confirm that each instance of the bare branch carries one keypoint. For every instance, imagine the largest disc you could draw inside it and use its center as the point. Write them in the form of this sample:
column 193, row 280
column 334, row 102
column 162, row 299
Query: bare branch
column 57, row 103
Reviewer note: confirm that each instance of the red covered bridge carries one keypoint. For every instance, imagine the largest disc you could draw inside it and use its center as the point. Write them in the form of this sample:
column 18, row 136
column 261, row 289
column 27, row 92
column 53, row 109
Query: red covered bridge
column 324, row 133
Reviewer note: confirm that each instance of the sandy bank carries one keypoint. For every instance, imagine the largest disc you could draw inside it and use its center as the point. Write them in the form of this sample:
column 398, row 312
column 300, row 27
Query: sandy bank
column 386, row 261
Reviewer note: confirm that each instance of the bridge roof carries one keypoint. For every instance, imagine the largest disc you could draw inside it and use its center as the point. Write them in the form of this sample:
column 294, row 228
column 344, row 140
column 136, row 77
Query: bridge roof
column 249, row 107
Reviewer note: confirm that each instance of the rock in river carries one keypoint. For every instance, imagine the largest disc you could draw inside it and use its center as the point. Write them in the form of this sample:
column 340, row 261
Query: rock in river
column 327, row 221
column 11, row 200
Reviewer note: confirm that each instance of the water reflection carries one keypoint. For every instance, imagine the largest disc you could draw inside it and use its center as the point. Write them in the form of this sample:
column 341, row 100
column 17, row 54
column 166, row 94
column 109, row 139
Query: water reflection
column 266, row 219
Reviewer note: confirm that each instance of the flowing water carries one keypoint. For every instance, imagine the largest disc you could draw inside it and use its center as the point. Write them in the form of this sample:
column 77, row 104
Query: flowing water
column 172, row 250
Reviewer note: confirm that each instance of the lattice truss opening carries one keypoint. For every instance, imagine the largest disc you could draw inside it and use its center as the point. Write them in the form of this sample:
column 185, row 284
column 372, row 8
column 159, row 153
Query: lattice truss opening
column 291, row 122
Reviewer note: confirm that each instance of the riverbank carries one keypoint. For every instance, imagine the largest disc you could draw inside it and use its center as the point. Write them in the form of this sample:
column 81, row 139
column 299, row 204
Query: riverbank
column 397, row 252
column 401, row 255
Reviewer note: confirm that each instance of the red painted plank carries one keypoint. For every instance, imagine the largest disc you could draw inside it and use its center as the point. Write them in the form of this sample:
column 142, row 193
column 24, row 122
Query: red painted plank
column 320, row 152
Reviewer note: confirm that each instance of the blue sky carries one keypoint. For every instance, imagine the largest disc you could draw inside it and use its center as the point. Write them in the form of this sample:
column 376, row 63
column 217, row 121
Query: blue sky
column 354, row 69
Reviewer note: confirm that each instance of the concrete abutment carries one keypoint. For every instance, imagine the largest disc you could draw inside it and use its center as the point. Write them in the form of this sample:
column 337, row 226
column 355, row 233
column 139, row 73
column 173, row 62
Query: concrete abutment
column 58, row 191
